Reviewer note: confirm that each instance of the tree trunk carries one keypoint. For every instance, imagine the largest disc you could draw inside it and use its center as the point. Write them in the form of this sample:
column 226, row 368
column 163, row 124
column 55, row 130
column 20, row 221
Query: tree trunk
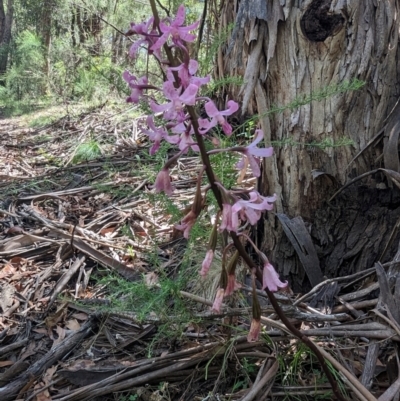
column 286, row 50
column 6, row 19
column 48, row 8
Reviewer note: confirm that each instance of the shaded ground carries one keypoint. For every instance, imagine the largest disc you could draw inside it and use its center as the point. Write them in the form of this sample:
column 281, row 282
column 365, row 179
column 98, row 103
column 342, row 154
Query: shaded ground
column 100, row 298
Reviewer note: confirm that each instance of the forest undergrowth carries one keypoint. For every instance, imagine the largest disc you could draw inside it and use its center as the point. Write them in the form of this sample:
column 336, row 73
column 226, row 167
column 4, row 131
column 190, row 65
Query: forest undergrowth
column 90, row 250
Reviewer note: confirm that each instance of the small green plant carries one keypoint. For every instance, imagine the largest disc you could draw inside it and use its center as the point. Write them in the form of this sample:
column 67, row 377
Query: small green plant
column 42, row 121
column 300, row 362
column 87, row 151
column 131, row 397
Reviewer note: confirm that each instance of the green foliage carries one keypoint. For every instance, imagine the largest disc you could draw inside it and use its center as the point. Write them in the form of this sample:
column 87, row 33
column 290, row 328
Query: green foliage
column 87, row 151
column 25, row 79
column 301, row 363
column 161, row 301
column 42, row 121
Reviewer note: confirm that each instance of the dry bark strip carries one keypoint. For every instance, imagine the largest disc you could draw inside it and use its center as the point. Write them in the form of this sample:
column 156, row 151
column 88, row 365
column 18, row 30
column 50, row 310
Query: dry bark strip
column 65, row 278
column 261, row 383
column 92, row 391
column 11, row 390
column 370, row 364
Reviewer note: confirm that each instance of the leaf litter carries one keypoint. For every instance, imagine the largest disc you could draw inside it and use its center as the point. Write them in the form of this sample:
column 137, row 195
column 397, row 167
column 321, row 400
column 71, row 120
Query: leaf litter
column 70, row 218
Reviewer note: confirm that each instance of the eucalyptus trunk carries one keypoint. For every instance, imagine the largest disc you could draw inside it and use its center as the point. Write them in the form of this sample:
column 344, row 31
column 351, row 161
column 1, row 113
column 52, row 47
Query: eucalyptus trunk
column 286, row 50
column 6, row 20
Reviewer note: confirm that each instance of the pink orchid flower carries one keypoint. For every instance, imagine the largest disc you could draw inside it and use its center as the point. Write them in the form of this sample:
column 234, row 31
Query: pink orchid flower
column 229, row 221
column 254, row 332
column 137, row 86
column 177, row 100
column 185, row 74
column 157, row 135
column 149, row 34
column 186, row 140
column 253, row 153
column 178, row 33
column 271, row 278
column 163, row 182
column 219, row 297
column 217, row 117
column 187, row 223
column 205, row 266
column 251, row 209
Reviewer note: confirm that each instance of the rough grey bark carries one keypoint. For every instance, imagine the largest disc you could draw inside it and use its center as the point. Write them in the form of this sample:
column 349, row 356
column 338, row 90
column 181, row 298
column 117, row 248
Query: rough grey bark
column 287, row 49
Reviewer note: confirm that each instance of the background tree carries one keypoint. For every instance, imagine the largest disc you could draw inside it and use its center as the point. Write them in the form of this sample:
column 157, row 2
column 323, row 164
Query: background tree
column 286, row 50
column 6, row 20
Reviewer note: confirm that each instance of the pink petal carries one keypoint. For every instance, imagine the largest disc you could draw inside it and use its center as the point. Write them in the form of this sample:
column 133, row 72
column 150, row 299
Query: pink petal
column 232, row 108
column 254, row 165
column 163, row 182
column 180, row 16
column 187, row 37
column 161, row 40
column 158, row 108
column 226, row 127
column 205, row 125
column 211, row 109
column 200, row 81
column 193, row 66
column 232, row 285
column 191, row 27
column 216, row 308
column 271, row 278
column 189, row 95
column 252, row 216
column 258, row 138
column 135, row 47
column 128, row 77
column 261, row 152
column 205, row 266
column 169, row 90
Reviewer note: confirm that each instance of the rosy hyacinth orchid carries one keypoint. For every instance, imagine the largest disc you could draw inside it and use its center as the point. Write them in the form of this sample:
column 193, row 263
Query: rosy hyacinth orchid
column 271, row 278
column 149, row 37
column 230, row 221
column 179, row 34
column 219, row 297
column 187, row 223
column 217, row 117
column 177, row 100
column 137, row 86
column 251, row 209
column 156, row 135
column 163, row 182
column 186, row 74
column 253, row 153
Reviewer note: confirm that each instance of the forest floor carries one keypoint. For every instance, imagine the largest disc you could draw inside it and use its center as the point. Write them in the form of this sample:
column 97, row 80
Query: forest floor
column 100, row 297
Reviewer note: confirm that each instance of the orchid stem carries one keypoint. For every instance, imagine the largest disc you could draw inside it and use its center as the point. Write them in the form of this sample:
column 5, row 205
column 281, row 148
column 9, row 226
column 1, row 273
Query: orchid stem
column 239, row 246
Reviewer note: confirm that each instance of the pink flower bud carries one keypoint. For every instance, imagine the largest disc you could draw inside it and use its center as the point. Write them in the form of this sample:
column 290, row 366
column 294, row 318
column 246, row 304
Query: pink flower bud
column 163, row 182
column 216, row 308
column 205, row 266
column 254, row 332
column 232, row 285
